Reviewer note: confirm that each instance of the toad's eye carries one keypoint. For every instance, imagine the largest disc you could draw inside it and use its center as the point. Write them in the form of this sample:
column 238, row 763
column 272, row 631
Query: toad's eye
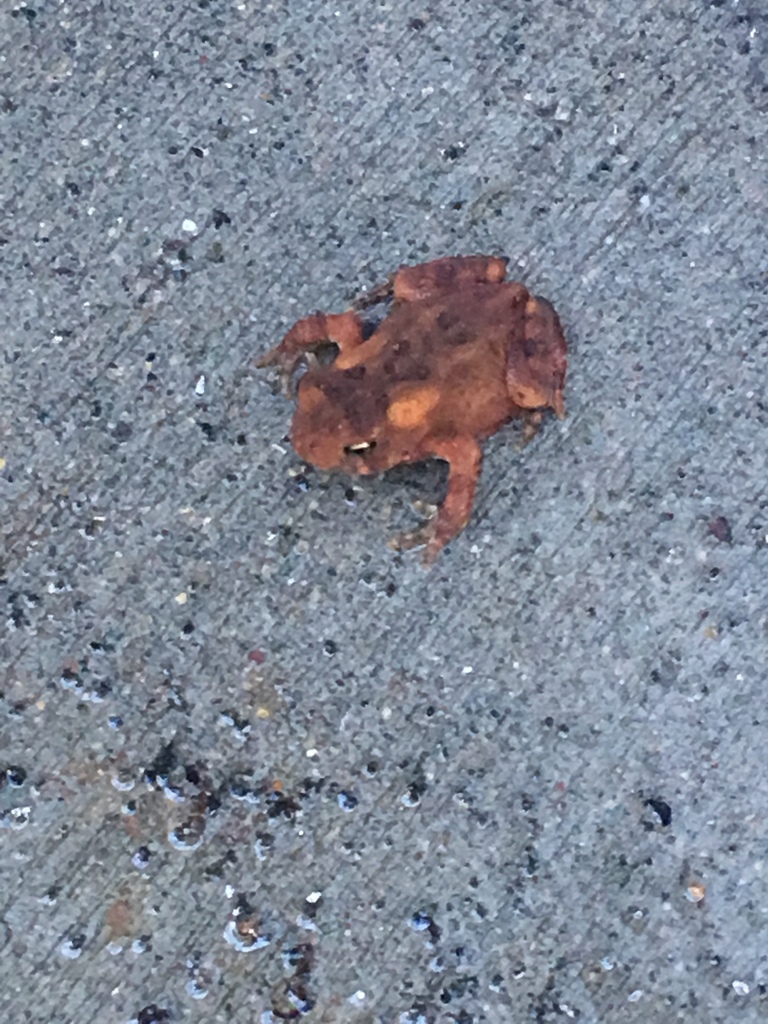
column 360, row 447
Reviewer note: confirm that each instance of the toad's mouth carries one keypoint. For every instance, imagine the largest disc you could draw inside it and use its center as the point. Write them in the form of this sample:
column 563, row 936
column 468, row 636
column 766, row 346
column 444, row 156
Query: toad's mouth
column 360, row 448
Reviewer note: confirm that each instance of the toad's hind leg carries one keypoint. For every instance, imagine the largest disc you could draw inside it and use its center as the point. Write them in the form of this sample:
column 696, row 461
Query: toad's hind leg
column 446, row 275
column 435, row 278
column 536, row 364
column 342, row 329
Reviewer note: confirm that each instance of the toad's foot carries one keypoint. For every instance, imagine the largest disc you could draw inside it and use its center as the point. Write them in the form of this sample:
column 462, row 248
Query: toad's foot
column 379, row 293
column 423, row 535
column 532, row 420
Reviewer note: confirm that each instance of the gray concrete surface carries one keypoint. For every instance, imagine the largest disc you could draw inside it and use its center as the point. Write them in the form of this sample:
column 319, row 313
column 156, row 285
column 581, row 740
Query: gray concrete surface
column 497, row 791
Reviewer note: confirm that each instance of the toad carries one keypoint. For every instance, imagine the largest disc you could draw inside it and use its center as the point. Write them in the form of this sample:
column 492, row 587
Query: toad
column 461, row 352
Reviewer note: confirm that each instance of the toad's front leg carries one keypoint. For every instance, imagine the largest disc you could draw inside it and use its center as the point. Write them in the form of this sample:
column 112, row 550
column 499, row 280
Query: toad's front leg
column 344, row 330
column 464, row 458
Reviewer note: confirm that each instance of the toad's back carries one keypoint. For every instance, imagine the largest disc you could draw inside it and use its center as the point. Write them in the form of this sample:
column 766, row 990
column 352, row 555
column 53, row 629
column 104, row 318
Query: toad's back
column 455, row 344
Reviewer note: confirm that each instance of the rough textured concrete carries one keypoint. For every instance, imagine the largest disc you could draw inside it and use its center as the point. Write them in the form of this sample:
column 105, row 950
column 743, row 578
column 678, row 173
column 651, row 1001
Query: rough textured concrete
column 512, row 778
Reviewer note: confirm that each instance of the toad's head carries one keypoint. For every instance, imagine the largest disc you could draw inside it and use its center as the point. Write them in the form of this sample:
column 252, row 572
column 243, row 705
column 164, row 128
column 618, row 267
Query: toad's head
column 339, row 424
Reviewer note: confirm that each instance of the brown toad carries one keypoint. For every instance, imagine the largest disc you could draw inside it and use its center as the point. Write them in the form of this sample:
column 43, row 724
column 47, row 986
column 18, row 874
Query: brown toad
column 461, row 352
